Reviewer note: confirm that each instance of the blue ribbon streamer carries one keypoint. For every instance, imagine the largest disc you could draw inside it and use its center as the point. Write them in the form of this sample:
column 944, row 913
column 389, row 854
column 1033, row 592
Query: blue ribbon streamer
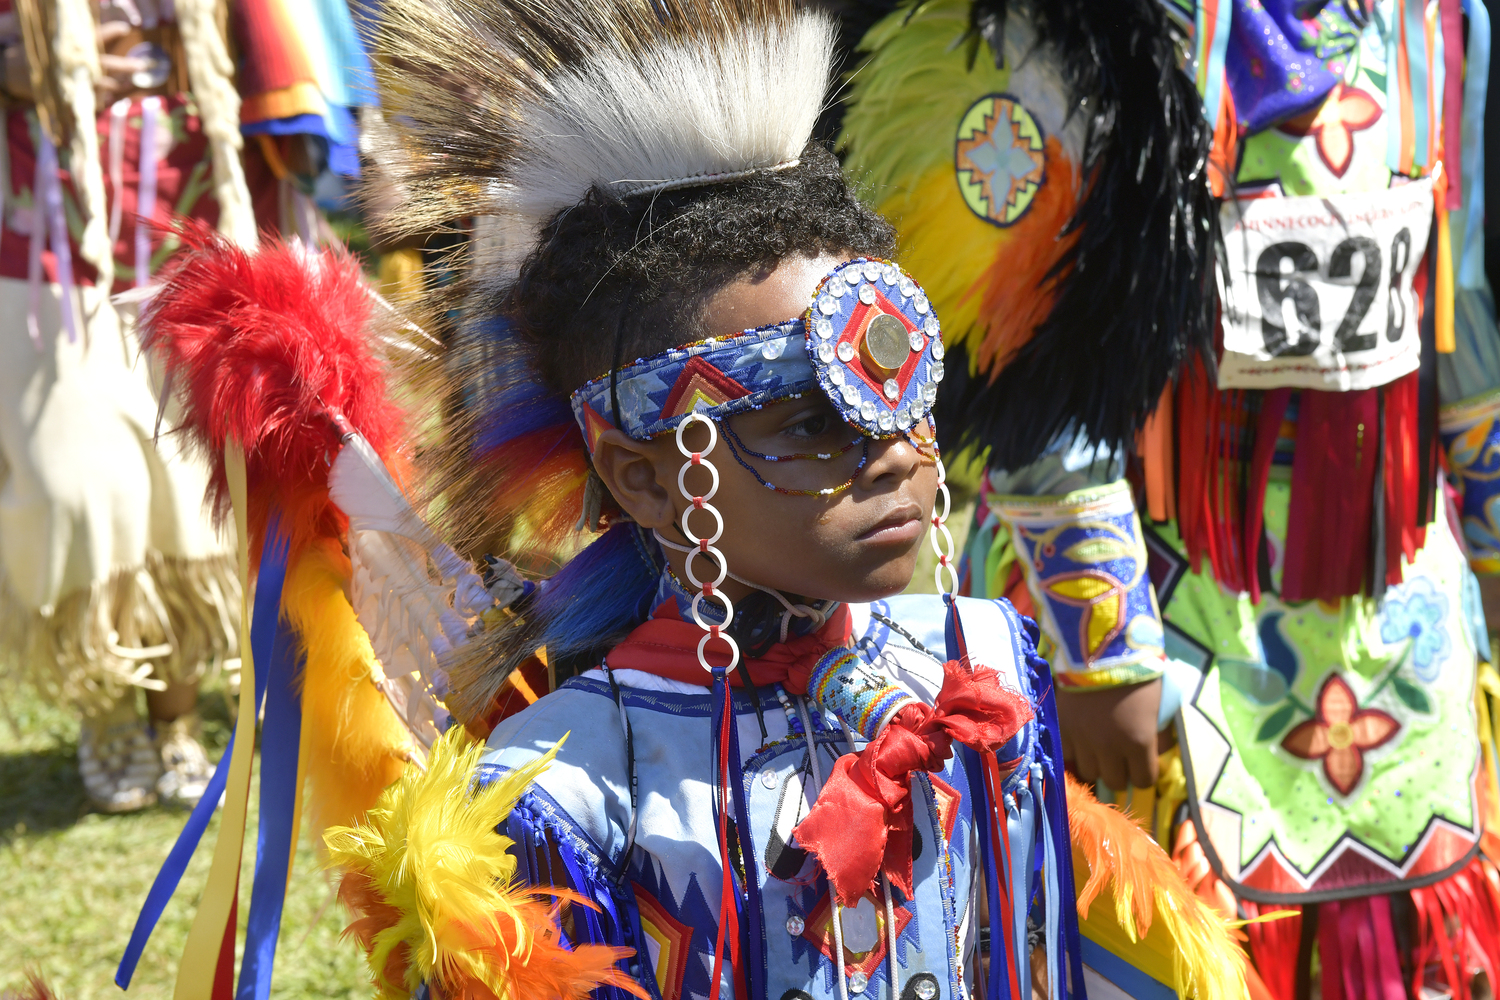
column 281, row 734
column 267, row 603
column 1416, row 61
column 1470, row 256
column 1024, row 820
column 1138, row 984
column 1057, row 985
column 1393, row 97
column 590, row 928
column 1213, row 93
column 991, row 866
column 1055, row 805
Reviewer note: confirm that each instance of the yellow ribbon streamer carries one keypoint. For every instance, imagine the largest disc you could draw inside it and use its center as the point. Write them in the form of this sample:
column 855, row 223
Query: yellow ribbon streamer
column 1486, row 688
column 1442, row 294
column 195, row 976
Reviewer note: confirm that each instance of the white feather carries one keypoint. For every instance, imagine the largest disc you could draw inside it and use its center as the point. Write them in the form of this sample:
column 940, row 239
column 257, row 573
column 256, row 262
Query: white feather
column 1037, row 81
column 675, row 115
column 412, row 594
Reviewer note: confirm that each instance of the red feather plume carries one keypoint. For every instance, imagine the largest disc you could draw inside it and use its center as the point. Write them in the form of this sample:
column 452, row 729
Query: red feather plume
column 268, row 348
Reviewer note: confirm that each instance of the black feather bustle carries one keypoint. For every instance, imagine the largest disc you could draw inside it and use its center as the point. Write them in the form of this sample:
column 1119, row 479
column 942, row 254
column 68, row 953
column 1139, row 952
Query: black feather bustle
column 1135, row 295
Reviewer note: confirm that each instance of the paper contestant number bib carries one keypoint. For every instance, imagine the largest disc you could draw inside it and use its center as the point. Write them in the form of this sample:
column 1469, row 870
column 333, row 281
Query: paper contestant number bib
column 1319, row 289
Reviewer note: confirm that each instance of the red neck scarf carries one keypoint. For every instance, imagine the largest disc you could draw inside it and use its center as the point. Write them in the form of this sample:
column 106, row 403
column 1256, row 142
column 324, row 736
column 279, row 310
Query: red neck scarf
column 667, row 646
column 860, row 826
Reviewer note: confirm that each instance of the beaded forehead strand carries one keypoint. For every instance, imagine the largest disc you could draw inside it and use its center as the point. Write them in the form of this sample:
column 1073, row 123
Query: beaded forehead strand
column 869, row 342
column 737, row 447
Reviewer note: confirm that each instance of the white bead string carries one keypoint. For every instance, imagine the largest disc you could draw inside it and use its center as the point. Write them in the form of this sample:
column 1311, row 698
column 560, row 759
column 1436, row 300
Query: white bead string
column 704, row 546
column 890, row 931
column 789, row 610
column 943, row 545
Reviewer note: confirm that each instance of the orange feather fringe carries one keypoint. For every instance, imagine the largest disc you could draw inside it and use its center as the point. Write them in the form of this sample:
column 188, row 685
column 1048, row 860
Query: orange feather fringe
column 1018, row 288
column 353, row 745
column 1192, row 948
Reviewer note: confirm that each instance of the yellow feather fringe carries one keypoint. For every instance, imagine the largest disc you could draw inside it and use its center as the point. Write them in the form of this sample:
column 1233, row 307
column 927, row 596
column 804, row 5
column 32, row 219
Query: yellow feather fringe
column 1155, row 922
column 353, row 745
column 433, row 884
column 989, row 283
column 898, row 143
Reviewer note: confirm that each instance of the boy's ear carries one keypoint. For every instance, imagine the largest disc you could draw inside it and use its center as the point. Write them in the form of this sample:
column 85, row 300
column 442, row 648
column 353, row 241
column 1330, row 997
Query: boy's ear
column 627, row 468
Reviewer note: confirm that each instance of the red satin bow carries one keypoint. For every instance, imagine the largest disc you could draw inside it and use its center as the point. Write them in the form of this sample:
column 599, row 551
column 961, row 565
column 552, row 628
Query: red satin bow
column 861, row 823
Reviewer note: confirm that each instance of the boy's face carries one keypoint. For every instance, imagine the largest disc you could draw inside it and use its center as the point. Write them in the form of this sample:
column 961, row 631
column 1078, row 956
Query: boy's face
column 859, row 544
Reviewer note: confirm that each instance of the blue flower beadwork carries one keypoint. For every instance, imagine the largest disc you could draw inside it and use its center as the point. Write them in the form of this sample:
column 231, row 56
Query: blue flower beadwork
column 1416, row 611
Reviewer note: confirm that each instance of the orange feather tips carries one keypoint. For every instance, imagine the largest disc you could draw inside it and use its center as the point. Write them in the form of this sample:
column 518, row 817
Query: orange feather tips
column 1156, row 922
column 269, row 348
column 434, row 893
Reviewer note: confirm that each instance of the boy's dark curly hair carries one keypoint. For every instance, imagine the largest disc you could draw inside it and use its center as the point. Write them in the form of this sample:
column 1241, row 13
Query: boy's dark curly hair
column 616, row 279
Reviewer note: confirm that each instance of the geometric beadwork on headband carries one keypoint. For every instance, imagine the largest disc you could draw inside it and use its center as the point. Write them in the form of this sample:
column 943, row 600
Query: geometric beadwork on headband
column 869, row 340
column 718, row 377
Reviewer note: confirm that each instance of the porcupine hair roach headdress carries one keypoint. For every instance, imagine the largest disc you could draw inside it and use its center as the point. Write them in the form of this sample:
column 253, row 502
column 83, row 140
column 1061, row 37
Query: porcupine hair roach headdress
column 624, row 159
column 1044, row 160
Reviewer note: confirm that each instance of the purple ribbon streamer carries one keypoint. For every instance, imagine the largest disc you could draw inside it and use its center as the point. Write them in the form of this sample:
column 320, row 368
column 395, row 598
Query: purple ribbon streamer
column 145, row 202
column 57, row 221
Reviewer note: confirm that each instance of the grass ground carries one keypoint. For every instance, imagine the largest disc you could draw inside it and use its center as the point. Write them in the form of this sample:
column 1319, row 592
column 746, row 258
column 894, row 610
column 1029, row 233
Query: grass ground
column 72, row 881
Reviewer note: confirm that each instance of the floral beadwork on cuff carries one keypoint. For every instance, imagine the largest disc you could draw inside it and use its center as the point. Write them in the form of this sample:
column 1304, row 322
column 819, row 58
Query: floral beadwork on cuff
column 1471, row 434
column 1085, row 563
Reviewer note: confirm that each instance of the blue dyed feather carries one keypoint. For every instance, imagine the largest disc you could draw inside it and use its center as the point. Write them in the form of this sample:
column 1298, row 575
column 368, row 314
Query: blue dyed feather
column 602, row 593
column 509, row 400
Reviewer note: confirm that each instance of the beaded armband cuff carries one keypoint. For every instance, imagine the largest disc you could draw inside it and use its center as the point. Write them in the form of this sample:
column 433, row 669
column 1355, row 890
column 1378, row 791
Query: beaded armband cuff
column 849, row 687
column 1471, row 433
column 1085, row 563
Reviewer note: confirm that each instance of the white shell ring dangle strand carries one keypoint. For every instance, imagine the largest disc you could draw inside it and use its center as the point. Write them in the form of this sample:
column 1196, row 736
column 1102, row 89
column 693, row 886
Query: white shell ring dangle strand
column 789, row 610
column 943, row 545
column 705, row 546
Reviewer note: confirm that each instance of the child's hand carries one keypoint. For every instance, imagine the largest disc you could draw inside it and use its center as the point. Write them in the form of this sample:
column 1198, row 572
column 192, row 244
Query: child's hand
column 1111, row 734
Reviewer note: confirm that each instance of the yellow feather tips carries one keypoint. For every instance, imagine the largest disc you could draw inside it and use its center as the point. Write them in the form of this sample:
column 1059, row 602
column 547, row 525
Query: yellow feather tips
column 907, row 103
column 432, row 885
column 353, row 745
column 1156, row 923
column 907, row 99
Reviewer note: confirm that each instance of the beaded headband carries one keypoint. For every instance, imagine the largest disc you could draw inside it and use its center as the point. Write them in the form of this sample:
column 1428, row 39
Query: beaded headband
column 869, row 340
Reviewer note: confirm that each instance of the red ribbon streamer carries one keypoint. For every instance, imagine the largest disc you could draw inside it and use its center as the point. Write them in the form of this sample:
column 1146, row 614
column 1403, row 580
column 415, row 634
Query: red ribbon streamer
column 729, row 918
